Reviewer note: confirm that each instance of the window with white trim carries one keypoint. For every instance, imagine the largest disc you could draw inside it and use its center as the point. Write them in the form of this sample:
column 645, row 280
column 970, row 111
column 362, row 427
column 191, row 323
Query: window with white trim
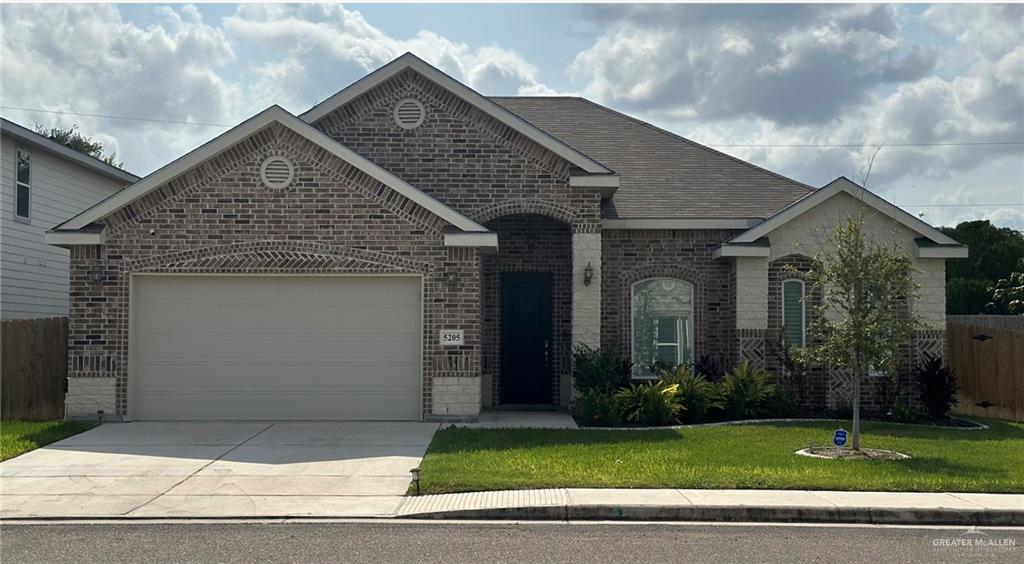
column 23, row 186
column 662, row 324
column 794, row 310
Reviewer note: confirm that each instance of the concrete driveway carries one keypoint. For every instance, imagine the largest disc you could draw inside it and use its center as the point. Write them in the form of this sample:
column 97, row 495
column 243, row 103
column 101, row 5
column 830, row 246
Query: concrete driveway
column 208, row 469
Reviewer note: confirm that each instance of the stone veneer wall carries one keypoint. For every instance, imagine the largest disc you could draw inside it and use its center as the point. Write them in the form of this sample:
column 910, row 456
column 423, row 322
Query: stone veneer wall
column 628, row 256
column 528, row 243
column 220, row 218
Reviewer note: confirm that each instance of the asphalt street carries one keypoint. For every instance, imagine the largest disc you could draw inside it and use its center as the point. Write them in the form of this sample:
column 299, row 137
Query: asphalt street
column 534, row 542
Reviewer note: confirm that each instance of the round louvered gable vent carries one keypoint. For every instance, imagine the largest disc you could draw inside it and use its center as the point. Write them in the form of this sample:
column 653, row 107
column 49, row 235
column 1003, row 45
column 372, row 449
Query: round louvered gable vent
column 409, row 113
column 277, row 172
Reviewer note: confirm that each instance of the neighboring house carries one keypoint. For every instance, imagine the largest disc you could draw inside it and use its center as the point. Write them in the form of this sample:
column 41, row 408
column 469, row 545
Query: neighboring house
column 43, row 183
column 411, row 249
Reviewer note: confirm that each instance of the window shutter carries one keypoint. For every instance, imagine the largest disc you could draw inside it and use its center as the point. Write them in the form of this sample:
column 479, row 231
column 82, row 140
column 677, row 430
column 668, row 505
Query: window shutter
column 793, row 311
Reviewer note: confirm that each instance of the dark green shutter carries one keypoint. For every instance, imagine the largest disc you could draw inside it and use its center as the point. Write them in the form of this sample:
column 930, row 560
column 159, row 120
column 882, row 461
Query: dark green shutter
column 793, row 312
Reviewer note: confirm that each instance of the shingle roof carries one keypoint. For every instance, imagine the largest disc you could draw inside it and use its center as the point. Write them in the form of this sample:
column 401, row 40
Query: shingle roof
column 662, row 175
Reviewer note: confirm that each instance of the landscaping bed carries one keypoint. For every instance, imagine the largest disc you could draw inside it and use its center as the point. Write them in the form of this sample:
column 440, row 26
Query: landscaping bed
column 19, row 437
column 755, row 455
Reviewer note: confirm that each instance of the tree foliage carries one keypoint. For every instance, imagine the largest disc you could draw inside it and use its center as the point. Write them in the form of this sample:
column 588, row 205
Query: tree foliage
column 864, row 317
column 995, row 254
column 1008, row 294
column 71, row 137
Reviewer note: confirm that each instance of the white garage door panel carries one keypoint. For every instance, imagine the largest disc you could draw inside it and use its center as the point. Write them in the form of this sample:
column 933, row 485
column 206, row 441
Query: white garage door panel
column 275, row 347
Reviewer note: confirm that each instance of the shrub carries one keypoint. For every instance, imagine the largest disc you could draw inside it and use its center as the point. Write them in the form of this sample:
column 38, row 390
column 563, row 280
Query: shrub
column 707, row 368
column 779, row 403
column 902, row 413
column 598, row 409
column 595, row 370
column 650, row 403
column 743, row 390
column 938, row 386
column 696, row 394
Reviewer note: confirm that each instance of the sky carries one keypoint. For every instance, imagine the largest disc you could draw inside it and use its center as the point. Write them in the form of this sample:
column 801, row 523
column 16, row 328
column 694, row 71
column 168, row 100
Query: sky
column 788, row 87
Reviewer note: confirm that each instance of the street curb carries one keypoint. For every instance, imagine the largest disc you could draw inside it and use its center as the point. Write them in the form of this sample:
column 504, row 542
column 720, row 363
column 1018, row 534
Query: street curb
column 739, row 513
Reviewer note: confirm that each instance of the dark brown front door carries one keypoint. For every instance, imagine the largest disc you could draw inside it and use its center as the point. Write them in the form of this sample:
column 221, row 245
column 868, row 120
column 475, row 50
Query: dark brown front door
column 526, row 338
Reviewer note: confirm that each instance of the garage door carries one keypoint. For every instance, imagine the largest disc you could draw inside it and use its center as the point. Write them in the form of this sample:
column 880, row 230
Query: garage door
column 275, row 347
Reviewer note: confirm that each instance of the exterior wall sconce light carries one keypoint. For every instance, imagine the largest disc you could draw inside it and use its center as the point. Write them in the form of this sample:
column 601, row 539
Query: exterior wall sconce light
column 588, row 274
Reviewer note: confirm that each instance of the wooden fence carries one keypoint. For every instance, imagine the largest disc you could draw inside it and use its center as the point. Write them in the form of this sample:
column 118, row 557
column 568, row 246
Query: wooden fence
column 986, row 353
column 34, row 360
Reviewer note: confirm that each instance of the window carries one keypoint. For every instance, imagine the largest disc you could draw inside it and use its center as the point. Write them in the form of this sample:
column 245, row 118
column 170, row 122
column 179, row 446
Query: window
column 23, row 186
column 793, row 312
column 662, row 324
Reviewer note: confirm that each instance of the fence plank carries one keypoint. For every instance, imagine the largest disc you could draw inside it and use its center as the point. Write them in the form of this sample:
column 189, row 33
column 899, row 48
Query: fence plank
column 33, row 368
column 990, row 370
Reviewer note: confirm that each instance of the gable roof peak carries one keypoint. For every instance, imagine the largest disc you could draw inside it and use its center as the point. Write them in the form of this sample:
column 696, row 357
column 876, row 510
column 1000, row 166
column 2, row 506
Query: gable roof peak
column 470, row 96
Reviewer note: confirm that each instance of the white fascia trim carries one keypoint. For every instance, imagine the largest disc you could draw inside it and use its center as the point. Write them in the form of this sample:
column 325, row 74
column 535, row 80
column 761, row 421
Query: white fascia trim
column 244, row 130
column 471, row 240
column 678, row 223
column 47, row 144
column 73, row 238
column 485, row 105
column 594, row 181
column 741, row 251
column 950, row 252
column 838, row 185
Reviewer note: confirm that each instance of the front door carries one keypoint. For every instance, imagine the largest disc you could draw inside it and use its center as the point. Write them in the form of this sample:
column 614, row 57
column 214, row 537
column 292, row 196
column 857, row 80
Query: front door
column 526, row 337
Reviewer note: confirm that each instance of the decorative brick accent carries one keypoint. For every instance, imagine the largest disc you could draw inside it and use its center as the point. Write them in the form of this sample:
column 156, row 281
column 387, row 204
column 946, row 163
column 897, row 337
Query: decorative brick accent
column 629, row 256
column 751, row 347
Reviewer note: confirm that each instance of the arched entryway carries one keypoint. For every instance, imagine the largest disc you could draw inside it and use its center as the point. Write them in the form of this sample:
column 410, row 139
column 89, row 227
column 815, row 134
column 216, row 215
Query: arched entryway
column 527, row 311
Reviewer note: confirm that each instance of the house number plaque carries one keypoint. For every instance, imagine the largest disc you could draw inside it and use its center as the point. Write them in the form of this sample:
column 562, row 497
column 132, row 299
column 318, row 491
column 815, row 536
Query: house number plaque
column 452, row 338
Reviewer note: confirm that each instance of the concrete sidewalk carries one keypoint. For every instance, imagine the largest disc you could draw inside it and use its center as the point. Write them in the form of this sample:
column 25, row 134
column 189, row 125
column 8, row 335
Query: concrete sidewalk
column 724, row 505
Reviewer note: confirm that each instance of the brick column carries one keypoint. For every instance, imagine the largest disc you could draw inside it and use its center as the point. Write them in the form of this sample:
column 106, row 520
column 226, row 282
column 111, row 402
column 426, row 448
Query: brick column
column 586, row 299
column 751, row 309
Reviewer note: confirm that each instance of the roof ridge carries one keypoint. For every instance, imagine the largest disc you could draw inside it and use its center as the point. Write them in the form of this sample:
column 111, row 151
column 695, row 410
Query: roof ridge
column 694, row 143
column 109, row 169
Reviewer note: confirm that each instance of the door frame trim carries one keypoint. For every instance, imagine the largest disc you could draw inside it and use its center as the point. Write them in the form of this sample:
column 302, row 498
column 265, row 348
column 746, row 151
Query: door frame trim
column 129, row 348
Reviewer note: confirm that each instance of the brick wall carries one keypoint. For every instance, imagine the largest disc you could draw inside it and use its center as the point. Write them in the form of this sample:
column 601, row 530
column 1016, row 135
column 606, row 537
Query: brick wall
column 461, row 156
column 628, row 256
column 220, row 218
column 813, row 389
column 529, row 243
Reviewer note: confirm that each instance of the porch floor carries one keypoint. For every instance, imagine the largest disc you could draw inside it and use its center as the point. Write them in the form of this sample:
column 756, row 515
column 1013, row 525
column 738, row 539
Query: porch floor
column 498, row 419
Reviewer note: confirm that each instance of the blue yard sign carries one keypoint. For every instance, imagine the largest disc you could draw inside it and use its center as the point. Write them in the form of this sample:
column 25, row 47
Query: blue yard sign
column 839, row 438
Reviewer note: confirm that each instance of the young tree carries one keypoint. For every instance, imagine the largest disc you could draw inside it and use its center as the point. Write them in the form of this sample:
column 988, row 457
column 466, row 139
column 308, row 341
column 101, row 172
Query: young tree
column 70, row 137
column 863, row 318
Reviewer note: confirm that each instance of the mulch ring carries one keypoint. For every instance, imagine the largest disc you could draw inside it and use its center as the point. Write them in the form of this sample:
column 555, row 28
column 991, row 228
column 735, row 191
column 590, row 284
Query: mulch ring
column 837, row 453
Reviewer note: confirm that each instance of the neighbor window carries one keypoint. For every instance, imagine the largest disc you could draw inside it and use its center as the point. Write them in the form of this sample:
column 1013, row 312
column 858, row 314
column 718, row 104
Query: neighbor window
column 662, row 324
column 23, row 188
column 793, row 312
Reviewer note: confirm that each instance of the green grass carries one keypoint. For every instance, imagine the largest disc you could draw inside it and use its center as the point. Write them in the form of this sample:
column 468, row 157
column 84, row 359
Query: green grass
column 729, row 456
column 19, row 437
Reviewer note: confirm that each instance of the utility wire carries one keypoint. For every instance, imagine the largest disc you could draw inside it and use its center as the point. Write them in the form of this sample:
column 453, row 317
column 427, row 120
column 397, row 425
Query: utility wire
column 751, row 145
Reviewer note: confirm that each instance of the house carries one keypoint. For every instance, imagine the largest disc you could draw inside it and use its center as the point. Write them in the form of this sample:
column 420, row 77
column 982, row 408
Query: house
column 43, row 183
column 410, row 249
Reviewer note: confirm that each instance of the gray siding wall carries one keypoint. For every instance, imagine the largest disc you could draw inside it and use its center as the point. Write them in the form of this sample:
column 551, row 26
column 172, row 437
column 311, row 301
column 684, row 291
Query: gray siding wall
column 34, row 275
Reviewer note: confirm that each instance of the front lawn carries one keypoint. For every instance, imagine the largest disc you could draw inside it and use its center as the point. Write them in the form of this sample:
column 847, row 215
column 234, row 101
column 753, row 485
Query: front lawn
column 19, row 437
column 727, row 456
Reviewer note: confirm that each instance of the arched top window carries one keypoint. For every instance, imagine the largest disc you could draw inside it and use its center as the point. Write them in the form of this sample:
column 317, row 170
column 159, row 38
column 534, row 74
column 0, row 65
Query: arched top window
column 662, row 324
column 794, row 312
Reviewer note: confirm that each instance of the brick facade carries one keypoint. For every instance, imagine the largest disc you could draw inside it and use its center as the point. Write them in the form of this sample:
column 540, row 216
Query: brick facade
column 629, row 256
column 220, row 218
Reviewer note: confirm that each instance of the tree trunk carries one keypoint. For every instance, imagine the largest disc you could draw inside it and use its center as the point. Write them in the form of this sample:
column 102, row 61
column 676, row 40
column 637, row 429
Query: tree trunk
column 856, row 401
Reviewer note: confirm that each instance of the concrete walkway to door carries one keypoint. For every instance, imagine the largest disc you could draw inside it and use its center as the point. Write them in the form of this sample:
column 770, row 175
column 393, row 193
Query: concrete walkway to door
column 218, row 469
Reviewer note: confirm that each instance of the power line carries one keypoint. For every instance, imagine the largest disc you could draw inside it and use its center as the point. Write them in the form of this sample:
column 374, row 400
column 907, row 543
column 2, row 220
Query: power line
column 155, row 120
column 750, row 145
column 800, row 145
column 958, row 205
